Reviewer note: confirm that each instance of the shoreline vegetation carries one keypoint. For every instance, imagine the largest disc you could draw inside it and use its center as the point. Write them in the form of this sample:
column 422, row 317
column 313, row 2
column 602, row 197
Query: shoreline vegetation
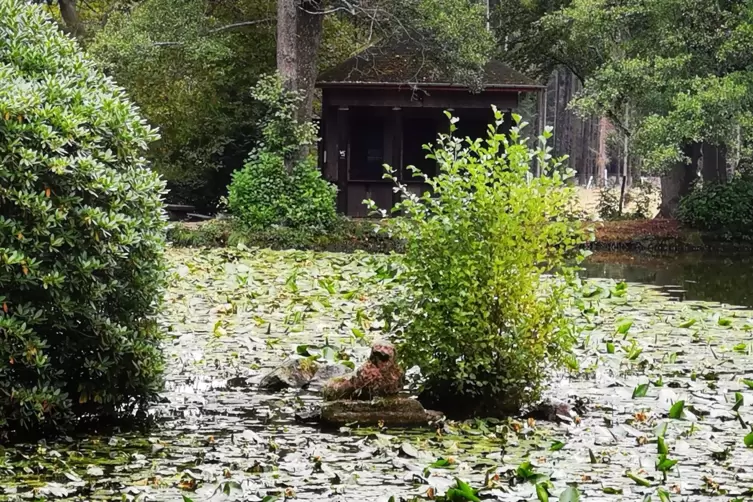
column 348, row 235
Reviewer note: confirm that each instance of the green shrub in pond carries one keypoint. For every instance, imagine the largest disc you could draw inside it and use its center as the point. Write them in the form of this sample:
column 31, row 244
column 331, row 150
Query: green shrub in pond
column 81, row 234
column 476, row 316
column 276, row 187
column 720, row 207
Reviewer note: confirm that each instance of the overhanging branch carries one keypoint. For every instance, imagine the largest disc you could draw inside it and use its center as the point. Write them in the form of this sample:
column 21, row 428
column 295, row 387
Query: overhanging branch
column 240, row 25
column 220, row 29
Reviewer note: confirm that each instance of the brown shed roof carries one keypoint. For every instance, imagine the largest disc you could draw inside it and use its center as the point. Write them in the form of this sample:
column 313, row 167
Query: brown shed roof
column 403, row 66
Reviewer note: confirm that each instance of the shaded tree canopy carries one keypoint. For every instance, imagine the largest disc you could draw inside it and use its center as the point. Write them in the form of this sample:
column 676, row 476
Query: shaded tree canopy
column 190, row 65
column 682, row 67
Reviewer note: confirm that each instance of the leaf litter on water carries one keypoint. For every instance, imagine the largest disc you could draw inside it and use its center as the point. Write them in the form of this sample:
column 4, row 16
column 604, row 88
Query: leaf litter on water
column 283, row 302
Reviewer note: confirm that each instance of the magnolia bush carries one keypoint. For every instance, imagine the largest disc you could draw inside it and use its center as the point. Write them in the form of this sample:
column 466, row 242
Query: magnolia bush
column 81, row 234
column 476, row 315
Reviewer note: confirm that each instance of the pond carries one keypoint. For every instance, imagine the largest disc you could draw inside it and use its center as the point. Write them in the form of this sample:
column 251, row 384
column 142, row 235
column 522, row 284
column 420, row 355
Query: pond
column 649, row 368
column 724, row 278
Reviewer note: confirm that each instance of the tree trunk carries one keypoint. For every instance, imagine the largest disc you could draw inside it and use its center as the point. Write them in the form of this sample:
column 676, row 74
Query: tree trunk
column 714, row 163
column 677, row 183
column 602, row 162
column 299, row 35
column 287, row 56
column 70, row 17
column 309, row 31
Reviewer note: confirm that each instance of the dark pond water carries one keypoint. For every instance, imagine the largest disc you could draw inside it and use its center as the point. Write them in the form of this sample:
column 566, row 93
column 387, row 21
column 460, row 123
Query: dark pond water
column 688, row 276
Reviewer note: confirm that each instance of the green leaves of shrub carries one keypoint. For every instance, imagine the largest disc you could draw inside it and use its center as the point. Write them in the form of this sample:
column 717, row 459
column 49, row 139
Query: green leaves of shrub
column 276, row 186
column 476, row 249
column 720, row 207
column 81, row 234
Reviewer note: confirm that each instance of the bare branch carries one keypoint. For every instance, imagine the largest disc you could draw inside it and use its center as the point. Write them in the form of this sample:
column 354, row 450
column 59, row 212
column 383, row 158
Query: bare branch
column 218, row 30
column 241, row 24
column 328, row 11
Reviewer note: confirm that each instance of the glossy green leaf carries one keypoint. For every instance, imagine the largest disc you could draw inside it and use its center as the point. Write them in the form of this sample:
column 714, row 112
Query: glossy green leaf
column 542, row 493
column 662, row 446
column 676, row 410
column 570, row 494
column 748, row 440
column 640, row 390
column 637, row 479
column 688, row 323
column 624, row 326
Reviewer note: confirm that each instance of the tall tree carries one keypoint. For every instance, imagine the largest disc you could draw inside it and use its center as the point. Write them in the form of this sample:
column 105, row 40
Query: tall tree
column 69, row 13
column 451, row 33
column 684, row 69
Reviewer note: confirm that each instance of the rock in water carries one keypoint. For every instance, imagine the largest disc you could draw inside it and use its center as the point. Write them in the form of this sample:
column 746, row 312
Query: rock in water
column 308, row 415
column 293, row 373
column 380, row 376
column 391, row 412
column 552, row 410
column 327, row 372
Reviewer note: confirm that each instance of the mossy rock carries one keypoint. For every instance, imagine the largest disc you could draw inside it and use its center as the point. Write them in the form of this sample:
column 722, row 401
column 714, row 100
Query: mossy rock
column 391, row 412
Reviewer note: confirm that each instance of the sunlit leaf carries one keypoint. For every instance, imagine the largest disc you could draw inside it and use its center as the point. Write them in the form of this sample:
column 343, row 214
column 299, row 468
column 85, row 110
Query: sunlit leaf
column 676, row 410
column 663, row 495
column 542, row 493
column 624, row 326
column 637, row 479
column 640, row 390
column 664, row 464
column 570, row 494
column 687, row 323
column 748, row 440
column 662, row 446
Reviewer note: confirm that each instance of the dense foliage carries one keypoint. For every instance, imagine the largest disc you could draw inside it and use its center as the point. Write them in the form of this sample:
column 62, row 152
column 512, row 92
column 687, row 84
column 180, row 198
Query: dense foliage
column 81, row 233
column 720, row 207
column 477, row 318
column 192, row 84
column 274, row 187
column 667, row 72
column 189, row 66
column 637, row 202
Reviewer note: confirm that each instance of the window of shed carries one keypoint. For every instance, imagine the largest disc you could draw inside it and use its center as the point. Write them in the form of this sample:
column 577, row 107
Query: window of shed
column 367, row 149
column 418, row 132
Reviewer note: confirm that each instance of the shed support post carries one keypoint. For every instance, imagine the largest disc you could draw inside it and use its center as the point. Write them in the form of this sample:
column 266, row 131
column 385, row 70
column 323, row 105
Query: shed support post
column 343, row 157
column 397, row 148
column 540, row 125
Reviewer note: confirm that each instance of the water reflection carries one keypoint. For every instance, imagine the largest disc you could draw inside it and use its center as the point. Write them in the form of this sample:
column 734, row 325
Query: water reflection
column 687, row 276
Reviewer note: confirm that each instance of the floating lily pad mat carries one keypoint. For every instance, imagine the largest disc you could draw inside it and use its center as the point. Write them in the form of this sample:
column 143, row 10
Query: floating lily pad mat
column 667, row 388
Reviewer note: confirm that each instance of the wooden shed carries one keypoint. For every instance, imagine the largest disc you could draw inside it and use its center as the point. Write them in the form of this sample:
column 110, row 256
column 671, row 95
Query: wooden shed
column 381, row 106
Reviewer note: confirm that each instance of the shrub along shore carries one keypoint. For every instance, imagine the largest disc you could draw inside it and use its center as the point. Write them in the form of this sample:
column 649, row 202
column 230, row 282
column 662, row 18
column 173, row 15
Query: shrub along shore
column 349, row 235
